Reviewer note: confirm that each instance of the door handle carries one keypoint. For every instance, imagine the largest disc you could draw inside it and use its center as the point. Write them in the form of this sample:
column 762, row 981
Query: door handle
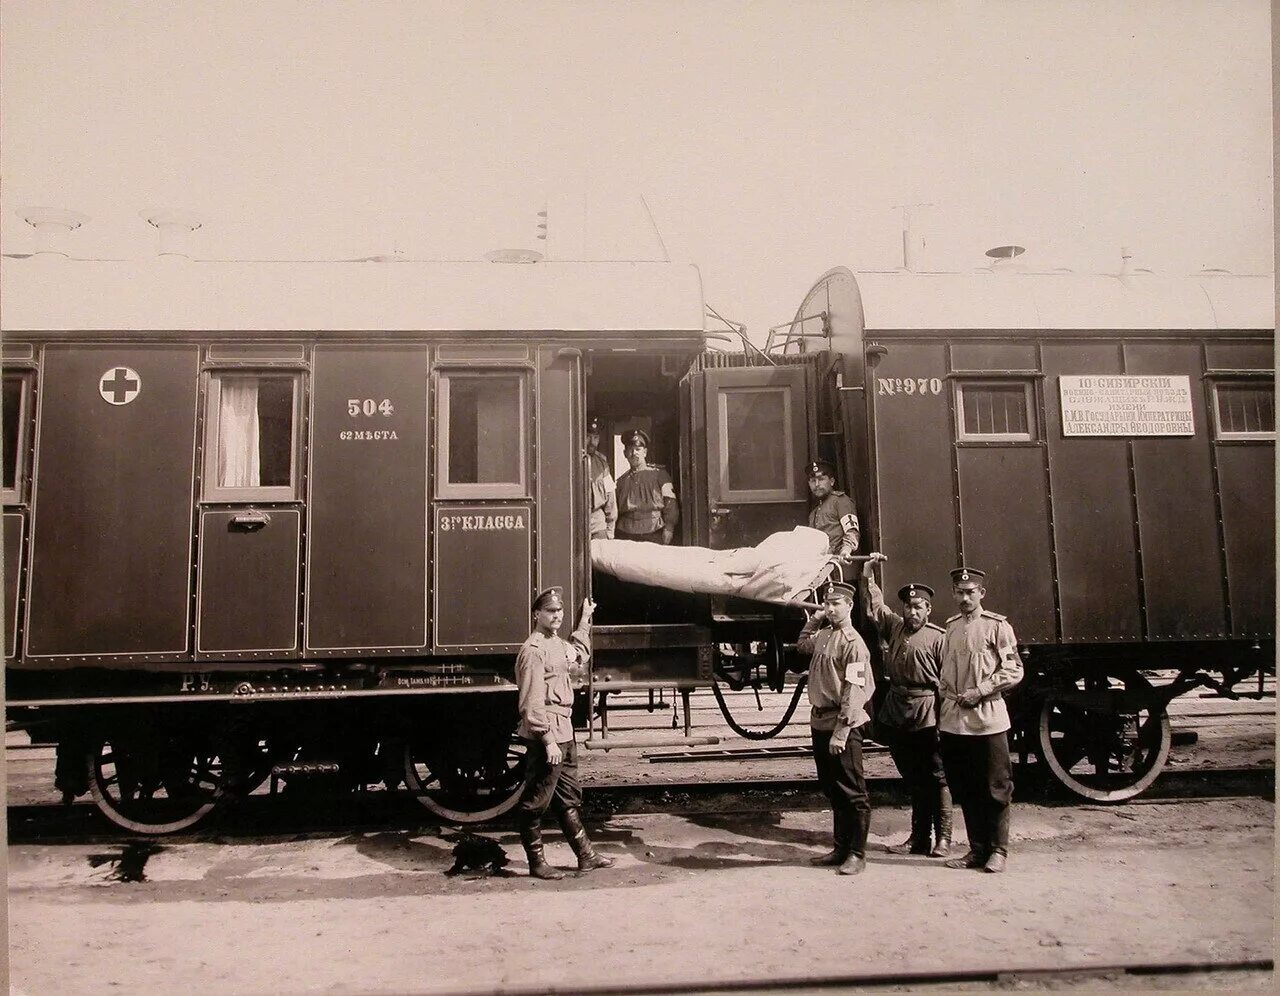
column 720, row 513
column 250, row 521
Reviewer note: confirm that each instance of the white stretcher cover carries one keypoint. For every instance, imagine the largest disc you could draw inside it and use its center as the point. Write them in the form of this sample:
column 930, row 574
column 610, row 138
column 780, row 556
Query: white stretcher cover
column 781, row 568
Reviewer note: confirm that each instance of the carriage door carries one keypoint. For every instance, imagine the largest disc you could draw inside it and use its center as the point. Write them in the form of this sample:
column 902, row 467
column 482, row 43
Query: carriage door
column 757, row 442
column 250, row 510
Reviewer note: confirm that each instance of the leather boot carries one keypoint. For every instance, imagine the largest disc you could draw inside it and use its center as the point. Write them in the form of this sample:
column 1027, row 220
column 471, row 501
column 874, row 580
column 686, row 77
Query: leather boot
column 860, row 826
column 576, row 834
column 531, row 838
column 942, row 824
column 918, row 842
column 996, row 862
column 840, row 838
column 975, row 857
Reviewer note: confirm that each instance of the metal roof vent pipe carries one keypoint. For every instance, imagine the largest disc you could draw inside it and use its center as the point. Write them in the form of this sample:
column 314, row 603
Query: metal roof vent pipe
column 53, row 230
column 1002, row 257
column 173, row 231
column 912, row 240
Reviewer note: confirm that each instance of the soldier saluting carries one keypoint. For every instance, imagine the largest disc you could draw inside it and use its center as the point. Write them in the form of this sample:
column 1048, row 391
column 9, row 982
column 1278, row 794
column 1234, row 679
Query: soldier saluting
column 546, row 703
column 840, row 686
column 834, row 513
column 907, row 720
column 979, row 664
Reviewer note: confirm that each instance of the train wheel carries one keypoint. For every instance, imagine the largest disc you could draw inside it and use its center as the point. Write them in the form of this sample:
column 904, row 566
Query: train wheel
column 1106, row 738
column 461, row 784
column 155, row 787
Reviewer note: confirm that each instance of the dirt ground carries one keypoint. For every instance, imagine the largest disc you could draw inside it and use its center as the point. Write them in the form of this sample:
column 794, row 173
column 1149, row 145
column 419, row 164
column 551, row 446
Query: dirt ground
column 703, row 898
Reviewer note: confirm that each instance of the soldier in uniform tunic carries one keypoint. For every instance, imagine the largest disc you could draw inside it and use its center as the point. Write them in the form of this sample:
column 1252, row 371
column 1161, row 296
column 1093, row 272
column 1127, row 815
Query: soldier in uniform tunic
column 840, row 687
column 980, row 663
column 648, row 510
column 907, row 720
column 834, row 513
column 604, row 503
column 545, row 703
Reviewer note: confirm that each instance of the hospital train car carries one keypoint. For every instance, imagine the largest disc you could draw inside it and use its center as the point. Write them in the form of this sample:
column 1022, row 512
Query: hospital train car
column 283, row 520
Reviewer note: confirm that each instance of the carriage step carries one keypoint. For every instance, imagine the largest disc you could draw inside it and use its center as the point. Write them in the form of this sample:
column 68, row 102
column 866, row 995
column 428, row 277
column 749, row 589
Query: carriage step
column 748, row 753
column 609, row 743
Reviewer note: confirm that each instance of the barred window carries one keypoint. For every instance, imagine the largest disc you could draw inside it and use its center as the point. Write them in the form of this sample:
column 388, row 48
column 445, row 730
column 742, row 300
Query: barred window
column 1245, row 409
column 995, row 411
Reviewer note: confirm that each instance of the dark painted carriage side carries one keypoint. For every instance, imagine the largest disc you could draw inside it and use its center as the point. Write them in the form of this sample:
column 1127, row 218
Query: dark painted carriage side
column 1141, row 546
column 278, row 513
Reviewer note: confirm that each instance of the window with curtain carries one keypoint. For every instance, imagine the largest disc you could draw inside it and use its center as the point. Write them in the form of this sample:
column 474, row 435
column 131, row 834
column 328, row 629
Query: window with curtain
column 12, row 443
column 253, row 437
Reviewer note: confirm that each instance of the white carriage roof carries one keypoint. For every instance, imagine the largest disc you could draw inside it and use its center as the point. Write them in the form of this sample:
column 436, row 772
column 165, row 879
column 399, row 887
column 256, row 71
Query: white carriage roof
column 165, row 294
column 1065, row 301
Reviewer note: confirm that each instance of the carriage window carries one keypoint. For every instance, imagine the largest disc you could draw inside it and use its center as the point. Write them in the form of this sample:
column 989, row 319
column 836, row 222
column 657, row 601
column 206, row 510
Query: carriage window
column 481, row 451
column 1245, row 409
column 13, row 444
column 756, row 448
column 995, row 411
column 252, row 433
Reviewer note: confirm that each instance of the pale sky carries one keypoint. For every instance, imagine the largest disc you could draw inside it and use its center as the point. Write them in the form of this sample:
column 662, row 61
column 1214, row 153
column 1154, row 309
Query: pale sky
column 770, row 139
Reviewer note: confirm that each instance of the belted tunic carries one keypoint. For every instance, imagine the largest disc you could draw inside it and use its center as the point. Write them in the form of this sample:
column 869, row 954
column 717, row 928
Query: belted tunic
column 980, row 652
column 604, row 505
column 911, row 665
column 840, row 678
column 545, row 686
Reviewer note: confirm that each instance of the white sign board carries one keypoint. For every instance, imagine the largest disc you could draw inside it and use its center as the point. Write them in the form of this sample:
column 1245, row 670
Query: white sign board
column 1122, row 405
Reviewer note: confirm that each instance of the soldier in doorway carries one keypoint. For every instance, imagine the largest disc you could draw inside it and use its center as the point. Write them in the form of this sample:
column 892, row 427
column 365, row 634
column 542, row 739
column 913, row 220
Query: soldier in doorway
column 907, row 719
column 840, row 687
column 980, row 663
column 604, row 502
column 648, row 510
column 546, row 703
column 833, row 512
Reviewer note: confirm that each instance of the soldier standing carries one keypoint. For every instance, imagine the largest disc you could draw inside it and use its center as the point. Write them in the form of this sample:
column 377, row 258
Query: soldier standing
column 840, row 686
column 546, row 702
column 834, row 513
column 604, row 503
column 648, row 510
column 907, row 720
column 979, row 664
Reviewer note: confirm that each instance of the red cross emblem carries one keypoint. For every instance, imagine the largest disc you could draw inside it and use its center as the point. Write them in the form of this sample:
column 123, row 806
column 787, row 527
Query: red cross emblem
column 119, row 385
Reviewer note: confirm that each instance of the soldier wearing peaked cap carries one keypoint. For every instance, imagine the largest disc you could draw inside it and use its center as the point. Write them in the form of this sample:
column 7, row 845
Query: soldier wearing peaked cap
column 980, row 663
column 546, row 704
column 833, row 512
column 648, row 510
column 604, row 502
column 840, row 687
column 907, row 720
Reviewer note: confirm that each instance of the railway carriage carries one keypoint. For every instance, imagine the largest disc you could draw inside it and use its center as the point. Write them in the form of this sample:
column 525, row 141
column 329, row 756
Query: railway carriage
column 283, row 520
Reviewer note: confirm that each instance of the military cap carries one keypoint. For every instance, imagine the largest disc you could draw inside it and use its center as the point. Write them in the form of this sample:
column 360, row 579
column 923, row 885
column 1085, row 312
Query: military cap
column 915, row 589
column 548, row 598
column 840, row 588
column 593, row 423
column 817, row 467
column 633, row 436
column 968, row 576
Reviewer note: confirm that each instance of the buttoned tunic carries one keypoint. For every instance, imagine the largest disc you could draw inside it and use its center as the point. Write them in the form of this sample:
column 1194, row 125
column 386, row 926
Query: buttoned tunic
column 978, row 652
column 642, row 494
column 545, row 685
column 840, row 679
column 911, row 665
column 836, row 516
